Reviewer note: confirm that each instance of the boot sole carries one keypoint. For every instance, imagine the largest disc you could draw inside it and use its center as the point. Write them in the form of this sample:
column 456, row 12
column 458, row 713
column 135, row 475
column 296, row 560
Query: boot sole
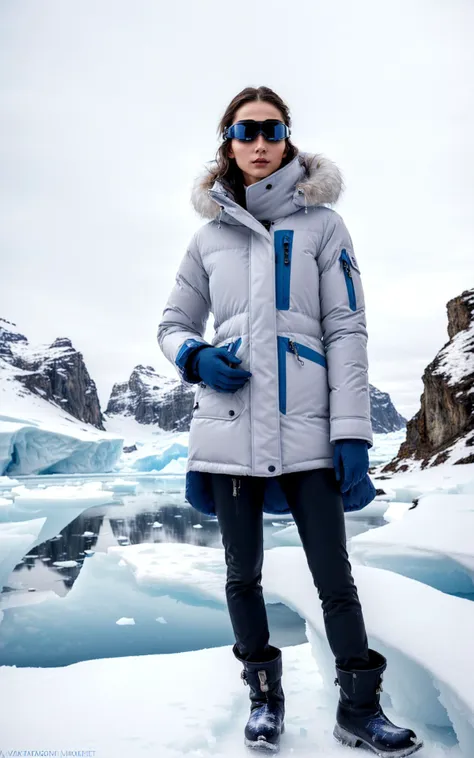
column 263, row 745
column 350, row 740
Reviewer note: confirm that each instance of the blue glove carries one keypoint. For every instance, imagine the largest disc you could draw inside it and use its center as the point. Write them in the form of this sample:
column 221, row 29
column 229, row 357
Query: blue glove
column 359, row 495
column 351, row 462
column 211, row 365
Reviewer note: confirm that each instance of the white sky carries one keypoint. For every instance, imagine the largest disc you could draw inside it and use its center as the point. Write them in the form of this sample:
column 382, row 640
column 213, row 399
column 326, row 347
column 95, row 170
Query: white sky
column 108, row 110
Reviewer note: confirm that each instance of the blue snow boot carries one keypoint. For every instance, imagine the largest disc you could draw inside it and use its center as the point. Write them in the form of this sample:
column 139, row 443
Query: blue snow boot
column 267, row 700
column 361, row 721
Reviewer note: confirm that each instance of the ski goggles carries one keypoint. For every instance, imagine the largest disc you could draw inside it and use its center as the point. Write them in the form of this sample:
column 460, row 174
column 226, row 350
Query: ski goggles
column 246, row 131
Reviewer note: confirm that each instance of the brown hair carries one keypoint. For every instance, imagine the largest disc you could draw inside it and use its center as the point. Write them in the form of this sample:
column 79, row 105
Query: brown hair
column 227, row 170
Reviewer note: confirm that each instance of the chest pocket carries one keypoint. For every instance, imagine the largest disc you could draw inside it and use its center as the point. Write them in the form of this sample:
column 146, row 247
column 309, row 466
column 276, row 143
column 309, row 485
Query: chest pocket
column 283, row 242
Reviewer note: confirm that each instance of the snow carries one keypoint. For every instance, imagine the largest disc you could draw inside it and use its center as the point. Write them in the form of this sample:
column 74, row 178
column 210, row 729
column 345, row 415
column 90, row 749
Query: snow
column 193, row 703
column 456, row 357
column 142, row 435
column 182, row 694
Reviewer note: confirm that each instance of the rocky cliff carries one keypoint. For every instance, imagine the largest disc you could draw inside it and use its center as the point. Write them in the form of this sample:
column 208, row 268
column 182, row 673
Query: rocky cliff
column 55, row 372
column 151, row 398
column 443, row 429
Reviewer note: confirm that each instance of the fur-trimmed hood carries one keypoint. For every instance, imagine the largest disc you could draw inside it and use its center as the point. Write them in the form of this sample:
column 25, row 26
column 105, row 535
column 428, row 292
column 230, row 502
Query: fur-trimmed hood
column 314, row 180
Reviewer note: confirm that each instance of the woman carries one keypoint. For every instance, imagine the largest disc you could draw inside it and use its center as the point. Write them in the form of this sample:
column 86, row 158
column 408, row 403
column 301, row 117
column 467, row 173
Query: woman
column 281, row 420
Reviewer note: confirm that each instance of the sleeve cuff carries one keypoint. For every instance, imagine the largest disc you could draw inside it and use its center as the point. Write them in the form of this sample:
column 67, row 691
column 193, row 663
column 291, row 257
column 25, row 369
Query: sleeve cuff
column 183, row 359
column 351, row 428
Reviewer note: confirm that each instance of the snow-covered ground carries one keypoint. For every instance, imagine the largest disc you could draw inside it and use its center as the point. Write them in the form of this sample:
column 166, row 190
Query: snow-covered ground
column 193, row 703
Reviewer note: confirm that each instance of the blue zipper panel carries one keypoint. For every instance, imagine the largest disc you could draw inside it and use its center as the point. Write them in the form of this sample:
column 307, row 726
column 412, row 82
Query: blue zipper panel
column 283, row 241
column 232, row 347
column 346, row 264
column 283, row 344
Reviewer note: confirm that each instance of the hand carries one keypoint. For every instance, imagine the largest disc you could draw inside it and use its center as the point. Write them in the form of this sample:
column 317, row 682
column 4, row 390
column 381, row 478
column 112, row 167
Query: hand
column 359, row 496
column 351, row 462
column 211, row 364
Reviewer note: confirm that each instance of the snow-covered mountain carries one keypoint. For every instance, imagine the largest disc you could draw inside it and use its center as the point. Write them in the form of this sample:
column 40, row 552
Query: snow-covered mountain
column 50, row 419
column 384, row 416
column 443, row 429
column 56, row 372
column 152, row 398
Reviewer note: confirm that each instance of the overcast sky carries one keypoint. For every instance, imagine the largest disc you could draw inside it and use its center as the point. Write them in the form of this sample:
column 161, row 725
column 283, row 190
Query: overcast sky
column 108, row 111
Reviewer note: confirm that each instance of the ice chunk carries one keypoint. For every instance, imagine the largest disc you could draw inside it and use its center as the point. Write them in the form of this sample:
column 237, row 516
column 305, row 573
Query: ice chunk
column 425, row 634
column 26, row 448
column 123, row 486
column 59, row 504
column 432, row 543
column 6, row 483
column 15, row 540
column 65, row 564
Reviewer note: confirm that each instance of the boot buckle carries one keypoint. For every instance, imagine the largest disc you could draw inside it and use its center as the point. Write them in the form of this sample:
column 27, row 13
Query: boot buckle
column 262, row 675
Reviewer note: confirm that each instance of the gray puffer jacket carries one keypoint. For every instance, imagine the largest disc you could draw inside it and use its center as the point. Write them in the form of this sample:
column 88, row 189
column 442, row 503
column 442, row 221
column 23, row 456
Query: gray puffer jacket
column 284, row 286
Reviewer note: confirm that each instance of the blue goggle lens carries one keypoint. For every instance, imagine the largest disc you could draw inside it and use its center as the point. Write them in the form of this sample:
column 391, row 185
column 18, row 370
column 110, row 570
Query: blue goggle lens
column 246, row 131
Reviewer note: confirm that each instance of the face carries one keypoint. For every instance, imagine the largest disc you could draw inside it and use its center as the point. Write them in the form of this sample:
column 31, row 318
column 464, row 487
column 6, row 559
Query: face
column 245, row 153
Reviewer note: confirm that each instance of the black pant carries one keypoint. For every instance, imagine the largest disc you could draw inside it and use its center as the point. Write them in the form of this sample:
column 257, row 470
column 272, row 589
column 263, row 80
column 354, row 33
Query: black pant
column 317, row 509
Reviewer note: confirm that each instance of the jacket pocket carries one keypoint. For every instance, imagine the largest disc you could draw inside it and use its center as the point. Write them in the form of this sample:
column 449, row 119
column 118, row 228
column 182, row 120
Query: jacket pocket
column 283, row 241
column 348, row 266
column 302, row 379
column 211, row 403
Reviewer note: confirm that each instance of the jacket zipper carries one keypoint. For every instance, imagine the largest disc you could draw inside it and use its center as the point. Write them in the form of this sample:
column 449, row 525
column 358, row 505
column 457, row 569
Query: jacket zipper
column 235, row 486
column 346, row 266
column 294, row 350
column 286, row 248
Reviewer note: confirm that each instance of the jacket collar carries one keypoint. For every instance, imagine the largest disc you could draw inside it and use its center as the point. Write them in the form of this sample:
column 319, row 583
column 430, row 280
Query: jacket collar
column 309, row 179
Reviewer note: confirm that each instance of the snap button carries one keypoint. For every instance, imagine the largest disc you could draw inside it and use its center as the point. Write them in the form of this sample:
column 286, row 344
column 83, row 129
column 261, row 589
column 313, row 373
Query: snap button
column 271, row 468
column 269, row 186
column 231, row 413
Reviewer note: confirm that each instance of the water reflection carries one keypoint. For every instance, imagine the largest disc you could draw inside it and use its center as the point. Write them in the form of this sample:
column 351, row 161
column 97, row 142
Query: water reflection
column 32, row 636
column 152, row 515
